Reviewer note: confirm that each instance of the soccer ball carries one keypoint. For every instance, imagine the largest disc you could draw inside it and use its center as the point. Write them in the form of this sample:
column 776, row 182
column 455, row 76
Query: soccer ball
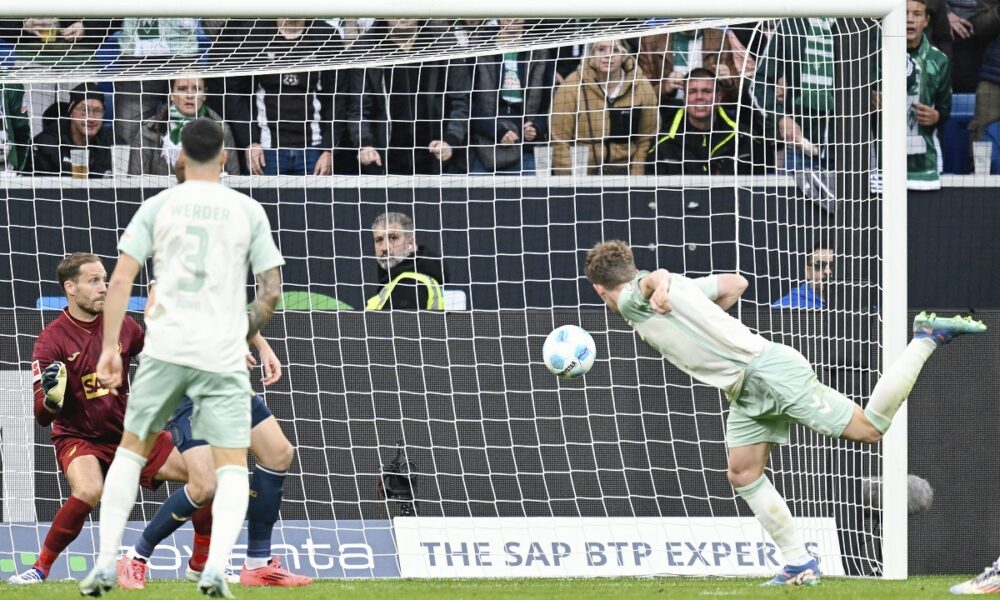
column 569, row 352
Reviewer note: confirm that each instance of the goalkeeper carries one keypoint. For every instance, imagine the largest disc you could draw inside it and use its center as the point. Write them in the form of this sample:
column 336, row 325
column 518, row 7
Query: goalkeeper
column 86, row 418
column 769, row 385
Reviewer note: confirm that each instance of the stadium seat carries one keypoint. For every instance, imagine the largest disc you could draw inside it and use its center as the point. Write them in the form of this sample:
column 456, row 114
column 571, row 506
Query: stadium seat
column 135, row 303
column 955, row 135
column 993, row 134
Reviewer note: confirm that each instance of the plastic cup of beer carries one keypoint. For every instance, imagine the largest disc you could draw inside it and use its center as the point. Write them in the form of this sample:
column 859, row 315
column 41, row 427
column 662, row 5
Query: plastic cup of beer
column 79, row 159
column 982, row 156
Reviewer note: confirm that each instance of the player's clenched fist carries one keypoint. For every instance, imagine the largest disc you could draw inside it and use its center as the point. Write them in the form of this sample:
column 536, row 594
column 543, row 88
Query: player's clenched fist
column 109, row 369
column 54, row 386
column 660, row 300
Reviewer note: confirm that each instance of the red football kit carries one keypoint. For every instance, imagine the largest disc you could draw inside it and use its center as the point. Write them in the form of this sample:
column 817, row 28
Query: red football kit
column 90, row 422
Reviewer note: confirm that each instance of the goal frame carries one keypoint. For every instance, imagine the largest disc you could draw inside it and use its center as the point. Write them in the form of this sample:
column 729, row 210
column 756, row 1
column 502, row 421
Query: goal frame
column 893, row 123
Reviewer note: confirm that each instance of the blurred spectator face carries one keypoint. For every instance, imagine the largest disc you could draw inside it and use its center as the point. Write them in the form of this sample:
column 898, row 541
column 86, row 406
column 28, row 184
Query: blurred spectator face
column 511, row 29
column 392, row 244
column 87, row 118
column 606, row 57
column 700, row 98
column 188, row 95
column 403, row 27
column 820, row 268
column 917, row 20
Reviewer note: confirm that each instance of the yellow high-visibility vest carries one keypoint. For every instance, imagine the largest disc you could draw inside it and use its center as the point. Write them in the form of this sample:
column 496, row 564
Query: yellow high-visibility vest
column 435, row 298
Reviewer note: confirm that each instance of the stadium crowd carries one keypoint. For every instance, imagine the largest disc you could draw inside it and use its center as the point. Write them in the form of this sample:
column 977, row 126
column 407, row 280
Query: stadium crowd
column 753, row 98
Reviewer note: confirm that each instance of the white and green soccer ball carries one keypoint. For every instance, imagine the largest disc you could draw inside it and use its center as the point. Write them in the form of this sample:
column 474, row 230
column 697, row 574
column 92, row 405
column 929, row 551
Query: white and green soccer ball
column 569, row 352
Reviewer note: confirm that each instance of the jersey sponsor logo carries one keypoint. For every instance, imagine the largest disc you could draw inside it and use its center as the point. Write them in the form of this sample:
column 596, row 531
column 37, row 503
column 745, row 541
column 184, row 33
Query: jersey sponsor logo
column 92, row 387
column 73, row 356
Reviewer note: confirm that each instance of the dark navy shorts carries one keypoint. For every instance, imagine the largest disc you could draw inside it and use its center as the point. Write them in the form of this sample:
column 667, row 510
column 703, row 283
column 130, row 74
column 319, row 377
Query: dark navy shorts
column 179, row 424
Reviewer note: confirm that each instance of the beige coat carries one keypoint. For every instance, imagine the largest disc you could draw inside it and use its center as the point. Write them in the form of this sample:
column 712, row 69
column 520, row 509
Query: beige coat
column 582, row 116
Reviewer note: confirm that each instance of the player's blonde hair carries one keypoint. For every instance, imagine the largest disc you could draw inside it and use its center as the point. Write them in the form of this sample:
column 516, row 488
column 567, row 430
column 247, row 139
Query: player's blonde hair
column 610, row 264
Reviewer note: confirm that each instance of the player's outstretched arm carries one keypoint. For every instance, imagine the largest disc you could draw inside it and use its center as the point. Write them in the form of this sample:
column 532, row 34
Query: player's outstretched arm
column 268, row 294
column 655, row 287
column 109, row 366
column 731, row 287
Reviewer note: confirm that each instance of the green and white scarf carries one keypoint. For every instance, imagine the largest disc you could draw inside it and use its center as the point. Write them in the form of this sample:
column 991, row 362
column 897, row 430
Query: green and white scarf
column 176, row 122
column 817, row 67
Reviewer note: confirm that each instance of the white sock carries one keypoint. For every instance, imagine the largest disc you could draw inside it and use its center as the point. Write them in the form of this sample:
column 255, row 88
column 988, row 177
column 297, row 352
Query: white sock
column 896, row 383
column 229, row 510
column 772, row 512
column 120, row 488
column 252, row 563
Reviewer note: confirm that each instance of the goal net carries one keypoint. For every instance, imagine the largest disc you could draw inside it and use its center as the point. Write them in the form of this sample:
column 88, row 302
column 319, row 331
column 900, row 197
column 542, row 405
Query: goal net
column 434, row 442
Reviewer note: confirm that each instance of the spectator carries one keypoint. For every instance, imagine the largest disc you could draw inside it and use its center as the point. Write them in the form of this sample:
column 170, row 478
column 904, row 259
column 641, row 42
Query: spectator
column 986, row 22
column 928, row 84
column 411, row 118
column 151, row 41
column 15, row 129
column 794, row 87
column 510, row 101
column 701, row 138
column 158, row 143
column 290, row 113
column 46, row 42
column 939, row 30
column 410, row 275
column 810, row 294
column 36, row 36
column 350, row 32
column 667, row 58
column 967, row 48
column 608, row 107
column 78, row 125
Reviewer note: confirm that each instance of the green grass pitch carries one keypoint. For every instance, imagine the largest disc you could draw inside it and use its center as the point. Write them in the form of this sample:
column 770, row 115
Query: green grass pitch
column 527, row 589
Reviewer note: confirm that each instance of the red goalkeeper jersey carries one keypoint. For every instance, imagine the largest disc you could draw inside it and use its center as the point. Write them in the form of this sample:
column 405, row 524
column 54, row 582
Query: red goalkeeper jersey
column 89, row 411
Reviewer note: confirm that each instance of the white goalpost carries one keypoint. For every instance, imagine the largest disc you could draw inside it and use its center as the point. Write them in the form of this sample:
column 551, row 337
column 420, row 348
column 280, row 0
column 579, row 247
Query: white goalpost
column 434, row 444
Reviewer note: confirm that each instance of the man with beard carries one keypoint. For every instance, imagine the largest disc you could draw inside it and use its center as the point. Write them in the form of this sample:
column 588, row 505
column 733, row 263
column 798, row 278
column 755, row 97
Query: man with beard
column 86, row 417
column 818, row 272
column 409, row 274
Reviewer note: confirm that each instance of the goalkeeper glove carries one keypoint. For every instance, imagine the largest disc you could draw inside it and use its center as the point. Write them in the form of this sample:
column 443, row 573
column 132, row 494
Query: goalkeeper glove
column 54, row 386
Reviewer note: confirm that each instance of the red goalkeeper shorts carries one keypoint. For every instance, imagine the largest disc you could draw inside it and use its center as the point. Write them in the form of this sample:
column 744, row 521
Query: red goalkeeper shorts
column 69, row 449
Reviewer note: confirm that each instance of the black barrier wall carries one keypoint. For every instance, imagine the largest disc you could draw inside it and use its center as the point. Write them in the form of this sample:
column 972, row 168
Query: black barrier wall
column 505, row 247
column 516, row 248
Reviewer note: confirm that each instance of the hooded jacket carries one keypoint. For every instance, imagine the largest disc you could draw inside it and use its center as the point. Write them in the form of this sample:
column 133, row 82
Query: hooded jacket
column 617, row 132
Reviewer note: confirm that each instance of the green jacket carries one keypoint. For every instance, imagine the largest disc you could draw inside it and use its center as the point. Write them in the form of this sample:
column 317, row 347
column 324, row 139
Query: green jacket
column 928, row 81
column 15, row 128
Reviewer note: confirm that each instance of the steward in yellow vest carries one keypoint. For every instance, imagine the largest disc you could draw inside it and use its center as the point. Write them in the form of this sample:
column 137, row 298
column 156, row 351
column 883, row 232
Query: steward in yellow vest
column 412, row 284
